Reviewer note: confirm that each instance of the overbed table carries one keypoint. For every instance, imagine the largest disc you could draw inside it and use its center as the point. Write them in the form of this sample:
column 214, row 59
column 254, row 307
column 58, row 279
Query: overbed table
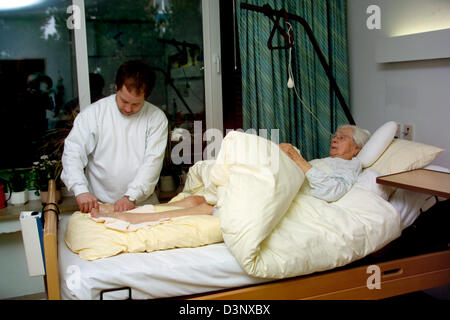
column 432, row 182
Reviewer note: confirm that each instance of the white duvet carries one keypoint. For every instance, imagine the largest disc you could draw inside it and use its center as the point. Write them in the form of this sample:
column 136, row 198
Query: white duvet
column 272, row 226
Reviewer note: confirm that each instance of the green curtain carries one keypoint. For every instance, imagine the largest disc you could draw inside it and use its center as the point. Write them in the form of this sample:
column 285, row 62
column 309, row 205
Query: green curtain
column 267, row 101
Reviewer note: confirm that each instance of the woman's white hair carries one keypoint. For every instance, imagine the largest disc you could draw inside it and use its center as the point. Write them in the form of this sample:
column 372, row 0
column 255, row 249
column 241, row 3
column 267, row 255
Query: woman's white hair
column 360, row 136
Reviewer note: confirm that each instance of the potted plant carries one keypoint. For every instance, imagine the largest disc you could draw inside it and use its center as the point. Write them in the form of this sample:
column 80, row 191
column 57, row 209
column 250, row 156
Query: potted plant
column 44, row 170
column 18, row 183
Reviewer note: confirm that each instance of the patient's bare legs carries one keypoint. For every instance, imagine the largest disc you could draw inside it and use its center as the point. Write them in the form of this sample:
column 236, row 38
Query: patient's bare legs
column 195, row 205
column 187, row 202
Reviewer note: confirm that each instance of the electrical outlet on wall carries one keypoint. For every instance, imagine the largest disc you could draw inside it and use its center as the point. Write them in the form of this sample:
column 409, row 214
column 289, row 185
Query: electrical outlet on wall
column 408, row 132
column 405, row 131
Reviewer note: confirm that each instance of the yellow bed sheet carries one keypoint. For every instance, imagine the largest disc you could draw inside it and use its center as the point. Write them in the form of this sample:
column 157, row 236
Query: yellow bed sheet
column 93, row 240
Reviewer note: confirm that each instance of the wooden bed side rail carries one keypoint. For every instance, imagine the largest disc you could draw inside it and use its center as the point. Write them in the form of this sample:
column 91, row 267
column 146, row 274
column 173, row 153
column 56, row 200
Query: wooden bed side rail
column 397, row 277
column 50, row 243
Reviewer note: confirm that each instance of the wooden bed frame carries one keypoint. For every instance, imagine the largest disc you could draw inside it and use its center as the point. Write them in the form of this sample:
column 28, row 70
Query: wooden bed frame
column 396, row 277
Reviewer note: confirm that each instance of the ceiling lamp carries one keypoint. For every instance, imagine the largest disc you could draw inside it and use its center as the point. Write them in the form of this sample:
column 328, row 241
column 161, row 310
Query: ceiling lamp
column 17, row 4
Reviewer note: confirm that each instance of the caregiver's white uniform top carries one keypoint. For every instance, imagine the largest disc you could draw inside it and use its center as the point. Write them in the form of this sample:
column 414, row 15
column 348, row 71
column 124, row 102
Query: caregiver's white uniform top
column 111, row 155
column 331, row 186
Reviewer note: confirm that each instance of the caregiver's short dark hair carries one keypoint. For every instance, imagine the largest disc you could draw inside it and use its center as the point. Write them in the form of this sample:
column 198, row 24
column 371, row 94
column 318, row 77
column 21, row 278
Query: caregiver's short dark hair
column 136, row 75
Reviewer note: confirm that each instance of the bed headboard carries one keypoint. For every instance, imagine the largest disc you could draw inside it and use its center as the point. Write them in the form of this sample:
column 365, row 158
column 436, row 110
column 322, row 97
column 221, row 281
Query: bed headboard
column 51, row 212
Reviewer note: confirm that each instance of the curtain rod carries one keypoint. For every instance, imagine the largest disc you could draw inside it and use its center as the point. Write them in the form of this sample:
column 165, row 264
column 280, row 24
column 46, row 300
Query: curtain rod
column 268, row 11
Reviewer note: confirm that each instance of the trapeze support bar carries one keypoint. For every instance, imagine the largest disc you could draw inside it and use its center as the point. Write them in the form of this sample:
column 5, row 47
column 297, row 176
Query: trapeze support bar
column 267, row 10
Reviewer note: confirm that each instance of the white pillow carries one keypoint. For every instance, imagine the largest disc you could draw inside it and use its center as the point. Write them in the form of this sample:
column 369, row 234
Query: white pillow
column 377, row 143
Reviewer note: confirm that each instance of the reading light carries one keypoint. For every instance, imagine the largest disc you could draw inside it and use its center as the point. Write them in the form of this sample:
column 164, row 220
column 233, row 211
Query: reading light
column 17, row 4
column 414, row 47
column 412, row 30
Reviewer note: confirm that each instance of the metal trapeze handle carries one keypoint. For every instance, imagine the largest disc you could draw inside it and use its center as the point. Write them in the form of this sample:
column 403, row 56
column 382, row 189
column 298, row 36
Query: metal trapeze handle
column 268, row 11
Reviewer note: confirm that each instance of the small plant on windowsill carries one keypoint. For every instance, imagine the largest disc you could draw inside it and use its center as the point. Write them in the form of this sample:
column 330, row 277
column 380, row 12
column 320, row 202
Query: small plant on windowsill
column 44, row 170
column 18, row 184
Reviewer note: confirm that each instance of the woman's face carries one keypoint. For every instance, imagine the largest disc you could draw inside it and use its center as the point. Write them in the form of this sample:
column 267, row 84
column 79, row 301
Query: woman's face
column 342, row 145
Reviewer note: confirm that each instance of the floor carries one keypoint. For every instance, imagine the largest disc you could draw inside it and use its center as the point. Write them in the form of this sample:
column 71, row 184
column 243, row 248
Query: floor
column 435, row 294
column 36, row 296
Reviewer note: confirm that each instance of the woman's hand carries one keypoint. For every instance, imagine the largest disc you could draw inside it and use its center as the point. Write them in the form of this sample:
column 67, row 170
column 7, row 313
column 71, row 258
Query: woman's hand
column 295, row 156
column 290, row 151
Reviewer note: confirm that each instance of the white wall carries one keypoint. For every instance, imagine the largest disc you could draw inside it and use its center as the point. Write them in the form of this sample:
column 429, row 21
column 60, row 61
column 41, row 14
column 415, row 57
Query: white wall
column 416, row 92
column 15, row 281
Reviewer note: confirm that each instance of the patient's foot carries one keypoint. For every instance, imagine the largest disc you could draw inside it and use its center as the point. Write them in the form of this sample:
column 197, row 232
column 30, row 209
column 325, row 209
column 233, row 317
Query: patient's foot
column 106, row 208
column 103, row 210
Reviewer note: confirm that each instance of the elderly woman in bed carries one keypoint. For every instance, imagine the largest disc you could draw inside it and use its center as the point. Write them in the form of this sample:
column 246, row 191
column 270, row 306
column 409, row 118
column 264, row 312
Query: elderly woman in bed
column 345, row 145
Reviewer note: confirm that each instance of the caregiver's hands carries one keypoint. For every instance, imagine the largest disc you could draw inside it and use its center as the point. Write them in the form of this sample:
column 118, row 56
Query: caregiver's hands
column 123, row 204
column 86, row 202
column 295, row 156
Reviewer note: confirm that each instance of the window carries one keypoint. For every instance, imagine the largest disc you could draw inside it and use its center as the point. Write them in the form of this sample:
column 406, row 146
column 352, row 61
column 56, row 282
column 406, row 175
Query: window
column 39, row 54
column 166, row 34
column 37, row 78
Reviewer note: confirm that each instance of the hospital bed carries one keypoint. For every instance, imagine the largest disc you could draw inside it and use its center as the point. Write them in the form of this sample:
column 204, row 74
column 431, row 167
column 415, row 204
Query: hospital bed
column 211, row 272
column 416, row 261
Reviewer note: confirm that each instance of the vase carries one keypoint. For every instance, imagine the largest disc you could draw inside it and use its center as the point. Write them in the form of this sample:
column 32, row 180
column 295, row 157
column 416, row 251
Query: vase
column 44, row 196
column 18, row 198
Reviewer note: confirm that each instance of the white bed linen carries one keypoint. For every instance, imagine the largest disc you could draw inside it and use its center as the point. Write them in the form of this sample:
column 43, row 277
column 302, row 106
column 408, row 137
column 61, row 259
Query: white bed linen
column 152, row 275
column 409, row 203
column 161, row 274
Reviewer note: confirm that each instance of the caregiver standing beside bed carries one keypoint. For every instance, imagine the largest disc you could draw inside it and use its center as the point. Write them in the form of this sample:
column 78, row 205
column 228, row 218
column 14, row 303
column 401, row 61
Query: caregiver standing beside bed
column 114, row 152
column 345, row 145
